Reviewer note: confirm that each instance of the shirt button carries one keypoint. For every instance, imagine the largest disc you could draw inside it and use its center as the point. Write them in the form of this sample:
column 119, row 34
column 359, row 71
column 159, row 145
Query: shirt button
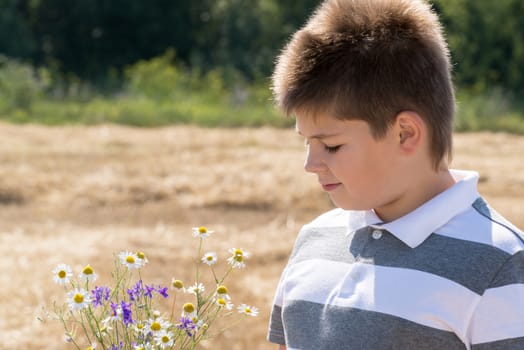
column 376, row 234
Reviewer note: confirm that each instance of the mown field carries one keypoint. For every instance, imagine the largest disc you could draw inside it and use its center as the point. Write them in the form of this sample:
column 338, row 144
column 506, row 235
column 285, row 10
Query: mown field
column 79, row 194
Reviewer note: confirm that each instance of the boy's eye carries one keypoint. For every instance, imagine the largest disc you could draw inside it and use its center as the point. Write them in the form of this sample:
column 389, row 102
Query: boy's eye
column 331, row 149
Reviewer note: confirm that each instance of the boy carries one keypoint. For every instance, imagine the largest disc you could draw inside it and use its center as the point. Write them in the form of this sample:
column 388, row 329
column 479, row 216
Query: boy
column 413, row 258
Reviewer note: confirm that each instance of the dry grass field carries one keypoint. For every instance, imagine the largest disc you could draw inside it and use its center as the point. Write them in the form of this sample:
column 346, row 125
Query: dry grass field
column 79, row 194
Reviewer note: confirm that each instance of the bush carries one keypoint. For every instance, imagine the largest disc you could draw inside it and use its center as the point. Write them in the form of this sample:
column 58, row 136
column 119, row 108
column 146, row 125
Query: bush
column 494, row 110
column 20, row 86
column 157, row 78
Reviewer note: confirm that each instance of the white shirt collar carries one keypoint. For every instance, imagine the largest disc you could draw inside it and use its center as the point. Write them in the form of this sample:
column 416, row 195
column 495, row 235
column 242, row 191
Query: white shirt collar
column 414, row 227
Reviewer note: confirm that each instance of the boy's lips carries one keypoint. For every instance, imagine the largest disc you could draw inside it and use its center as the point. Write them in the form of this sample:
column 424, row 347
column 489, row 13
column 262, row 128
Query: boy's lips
column 330, row 186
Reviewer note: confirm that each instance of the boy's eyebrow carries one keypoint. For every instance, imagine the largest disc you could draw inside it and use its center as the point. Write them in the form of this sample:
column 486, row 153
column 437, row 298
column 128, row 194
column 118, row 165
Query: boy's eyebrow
column 319, row 136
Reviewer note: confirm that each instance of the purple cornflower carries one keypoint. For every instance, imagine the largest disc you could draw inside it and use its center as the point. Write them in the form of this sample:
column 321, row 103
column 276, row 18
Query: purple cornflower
column 135, row 292
column 114, row 307
column 149, row 291
column 126, row 313
column 116, row 347
column 187, row 325
column 100, row 294
column 162, row 291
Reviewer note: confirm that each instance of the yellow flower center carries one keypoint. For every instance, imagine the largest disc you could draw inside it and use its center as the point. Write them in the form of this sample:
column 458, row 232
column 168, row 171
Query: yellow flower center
column 221, row 290
column 202, row 230
column 221, row 301
column 209, row 258
column 165, row 339
column 88, row 270
column 78, row 298
column 155, row 326
column 178, row 284
column 62, row 274
column 189, row 308
column 130, row 259
column 140, row 326
column 238, row 255
column 247, row 310
column 141, row 255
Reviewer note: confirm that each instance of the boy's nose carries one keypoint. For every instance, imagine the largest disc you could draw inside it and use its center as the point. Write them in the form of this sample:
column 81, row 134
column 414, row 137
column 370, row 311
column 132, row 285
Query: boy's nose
column 313, row 164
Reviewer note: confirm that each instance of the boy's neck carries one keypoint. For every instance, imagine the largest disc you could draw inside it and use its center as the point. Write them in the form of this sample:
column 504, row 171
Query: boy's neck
column 420, row 190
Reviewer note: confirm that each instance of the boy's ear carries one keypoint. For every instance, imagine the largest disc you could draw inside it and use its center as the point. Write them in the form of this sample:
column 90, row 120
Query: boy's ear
column 410, row 129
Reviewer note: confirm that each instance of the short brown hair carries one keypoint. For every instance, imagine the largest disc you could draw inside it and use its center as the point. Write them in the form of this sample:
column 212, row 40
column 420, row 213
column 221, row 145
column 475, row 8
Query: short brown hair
column 370, row 60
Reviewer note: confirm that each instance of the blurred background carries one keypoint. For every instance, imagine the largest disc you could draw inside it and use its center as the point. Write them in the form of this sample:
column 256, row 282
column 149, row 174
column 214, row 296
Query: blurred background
column 125, row 123
column 159, row 62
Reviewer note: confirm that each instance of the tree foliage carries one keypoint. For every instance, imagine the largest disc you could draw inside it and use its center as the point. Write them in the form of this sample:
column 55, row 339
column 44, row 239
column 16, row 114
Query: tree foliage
column 487, row 42
column 95, row 40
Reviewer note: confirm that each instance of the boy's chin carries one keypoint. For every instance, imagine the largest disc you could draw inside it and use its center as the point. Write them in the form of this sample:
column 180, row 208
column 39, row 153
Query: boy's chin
column 347, row 204
column 342, row 204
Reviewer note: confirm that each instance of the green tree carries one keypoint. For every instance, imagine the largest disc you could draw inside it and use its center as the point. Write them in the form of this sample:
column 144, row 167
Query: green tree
column 15, row 34
column 486, row 39
column 90, row 37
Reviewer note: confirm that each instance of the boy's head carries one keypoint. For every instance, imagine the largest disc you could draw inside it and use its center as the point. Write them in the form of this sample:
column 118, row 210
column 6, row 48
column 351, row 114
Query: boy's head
column 371, row 60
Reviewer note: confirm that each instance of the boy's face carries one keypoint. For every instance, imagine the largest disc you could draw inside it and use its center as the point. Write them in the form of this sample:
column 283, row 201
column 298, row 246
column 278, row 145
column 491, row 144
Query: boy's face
column 357, row 171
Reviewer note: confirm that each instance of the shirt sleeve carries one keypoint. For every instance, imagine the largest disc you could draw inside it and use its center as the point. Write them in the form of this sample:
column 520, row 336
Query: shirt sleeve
column 498, row 321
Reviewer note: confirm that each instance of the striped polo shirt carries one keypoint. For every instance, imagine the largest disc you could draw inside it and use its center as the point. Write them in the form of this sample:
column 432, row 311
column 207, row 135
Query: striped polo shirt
column 449, row 275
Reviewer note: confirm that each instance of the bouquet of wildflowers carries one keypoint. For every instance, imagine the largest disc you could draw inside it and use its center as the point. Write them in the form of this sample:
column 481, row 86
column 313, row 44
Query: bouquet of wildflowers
column 126, row 315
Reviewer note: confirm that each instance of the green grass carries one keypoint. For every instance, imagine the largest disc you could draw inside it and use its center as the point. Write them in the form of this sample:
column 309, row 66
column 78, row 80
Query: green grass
column 160, row 92
column 488, row 112
column 153, row 92
column 146, row 112
column 493, row 111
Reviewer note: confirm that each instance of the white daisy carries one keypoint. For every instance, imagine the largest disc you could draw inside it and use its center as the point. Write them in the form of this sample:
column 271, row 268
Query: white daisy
column 156, row 325
column 223, row 302
column 189, row 310
column 62, row 274
column 238, row 257
column 247, row 310
column 130, row 260
column 78, row 299
column 139, row 328
column 209, row 258
column 142, row 257
column 196, row 288
column 88, row 274
column 201, row 232
column 222, row 292
column 147, row 346
column 165, row 339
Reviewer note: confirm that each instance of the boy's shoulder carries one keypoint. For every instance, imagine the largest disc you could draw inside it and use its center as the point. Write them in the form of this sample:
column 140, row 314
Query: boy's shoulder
column 323, row 238
column 504, row 233
column 483, row 224
column 334, row 218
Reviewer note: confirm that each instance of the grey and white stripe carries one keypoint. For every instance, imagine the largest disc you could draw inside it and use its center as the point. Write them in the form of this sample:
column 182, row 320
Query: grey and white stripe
column 461, row 288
